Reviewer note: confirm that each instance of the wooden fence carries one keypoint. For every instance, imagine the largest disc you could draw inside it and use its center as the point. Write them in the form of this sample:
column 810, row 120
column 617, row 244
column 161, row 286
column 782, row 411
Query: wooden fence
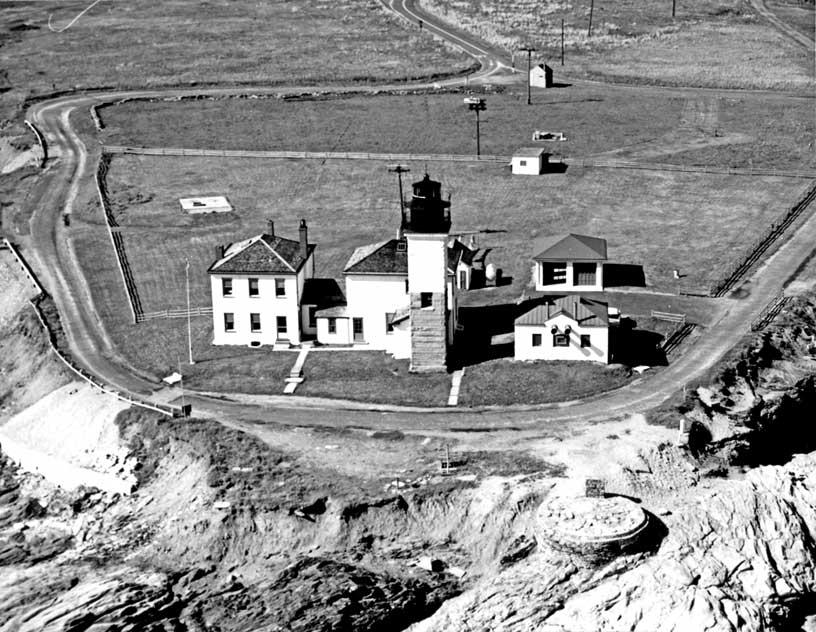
column 23, row 264
column 670, row 317
column 129, row 283
column 744, row 262
column 176, row 313
column 303, row 155
column 609, row 163
column 769, row 312
column 170, row 411
column 41, row 141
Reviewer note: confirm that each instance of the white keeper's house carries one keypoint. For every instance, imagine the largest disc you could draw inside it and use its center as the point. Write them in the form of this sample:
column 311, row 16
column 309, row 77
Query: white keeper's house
column 401, row 294
column 257, row 288
column 564, row 328
column 569, row 263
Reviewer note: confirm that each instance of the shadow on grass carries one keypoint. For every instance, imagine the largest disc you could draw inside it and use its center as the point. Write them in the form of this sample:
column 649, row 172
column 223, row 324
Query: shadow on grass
column 486, row 330
column 624, row 274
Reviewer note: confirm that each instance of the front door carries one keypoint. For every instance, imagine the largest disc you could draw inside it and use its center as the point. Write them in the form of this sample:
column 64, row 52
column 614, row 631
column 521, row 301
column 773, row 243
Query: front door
column 358, row 329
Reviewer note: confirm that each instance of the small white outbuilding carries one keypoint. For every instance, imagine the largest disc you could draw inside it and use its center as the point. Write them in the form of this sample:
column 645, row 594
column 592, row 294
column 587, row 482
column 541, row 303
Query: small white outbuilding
column 567, row 328
column 529, row 161
column 541, row 76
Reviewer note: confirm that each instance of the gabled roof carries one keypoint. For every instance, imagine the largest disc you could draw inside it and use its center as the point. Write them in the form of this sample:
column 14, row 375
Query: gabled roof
column 459, row 252
column 322, row 293
column 584, row 311
column 529, row 152
column 262, row 254
column 570, row 247
column 385, row 257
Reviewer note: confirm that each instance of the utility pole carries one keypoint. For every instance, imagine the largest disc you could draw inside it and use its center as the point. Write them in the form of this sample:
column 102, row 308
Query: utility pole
column 477, row 105
column 562, row 41
column 529, row 67
column 399, row 170
column 591, row 8
column 674, row 6
column 189, row 325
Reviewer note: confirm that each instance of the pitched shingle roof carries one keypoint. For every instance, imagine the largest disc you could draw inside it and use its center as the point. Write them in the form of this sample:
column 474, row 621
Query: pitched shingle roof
column 459, row 252
column 570, row 247
column 385, row 257
column 262, row 254
column 584, row 311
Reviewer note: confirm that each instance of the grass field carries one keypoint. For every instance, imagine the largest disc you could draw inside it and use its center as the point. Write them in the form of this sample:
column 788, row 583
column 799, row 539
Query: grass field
column 639, row 41
column 373, row 377
column 798, row 15
column 142, row 43
column 660, row 220
column 505, row 382
column 711, row 130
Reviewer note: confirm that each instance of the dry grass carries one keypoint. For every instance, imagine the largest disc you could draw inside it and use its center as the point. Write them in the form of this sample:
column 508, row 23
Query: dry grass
column 800, row 16
column 704, row 56
column 505, row 382
column 142, row 43
column 637, row 41
column 701, row 129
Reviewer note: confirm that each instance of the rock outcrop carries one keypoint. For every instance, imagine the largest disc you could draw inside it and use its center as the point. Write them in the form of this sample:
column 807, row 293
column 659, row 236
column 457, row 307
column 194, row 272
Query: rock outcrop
column 739, row 556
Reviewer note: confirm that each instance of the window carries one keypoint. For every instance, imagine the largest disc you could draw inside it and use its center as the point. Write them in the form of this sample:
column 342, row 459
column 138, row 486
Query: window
column 253, row 287
column 402, row 246
column 280, row 287
column 425, row 299
column 536, row 340
column 281, row 326
column 312, row 318
column 523, row 163
column 585, row 343
column 332, row 325
column 389, row 325
column 255, row 322
column 560, row 340
column 226, row 287
column 229, row 322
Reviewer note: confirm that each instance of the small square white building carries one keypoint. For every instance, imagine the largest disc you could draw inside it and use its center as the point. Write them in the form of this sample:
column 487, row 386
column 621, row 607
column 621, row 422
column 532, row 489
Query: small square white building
column 531, row 161
column 567, row 328
column 569, row 263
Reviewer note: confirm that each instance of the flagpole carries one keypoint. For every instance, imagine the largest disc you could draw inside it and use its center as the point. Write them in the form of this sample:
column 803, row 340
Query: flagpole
column 189, row 325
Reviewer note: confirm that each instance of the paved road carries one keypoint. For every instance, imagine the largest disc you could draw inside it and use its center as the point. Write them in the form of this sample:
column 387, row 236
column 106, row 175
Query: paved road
column 60, row 273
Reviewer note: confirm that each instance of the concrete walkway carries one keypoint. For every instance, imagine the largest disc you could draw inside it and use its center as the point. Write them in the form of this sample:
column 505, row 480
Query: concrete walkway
column 296, row 374
column 456, row 381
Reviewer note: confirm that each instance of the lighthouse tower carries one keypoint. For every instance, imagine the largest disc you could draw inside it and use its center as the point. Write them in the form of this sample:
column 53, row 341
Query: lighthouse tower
column 426, row 223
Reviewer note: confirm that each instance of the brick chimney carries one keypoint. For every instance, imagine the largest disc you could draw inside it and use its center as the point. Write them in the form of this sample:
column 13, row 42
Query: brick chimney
column 270, row 228
column 219, row 252
column 304, row 239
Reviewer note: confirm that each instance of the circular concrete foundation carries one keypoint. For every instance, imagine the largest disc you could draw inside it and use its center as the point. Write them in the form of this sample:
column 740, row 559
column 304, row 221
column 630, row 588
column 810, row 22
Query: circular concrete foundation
column 611, row 525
